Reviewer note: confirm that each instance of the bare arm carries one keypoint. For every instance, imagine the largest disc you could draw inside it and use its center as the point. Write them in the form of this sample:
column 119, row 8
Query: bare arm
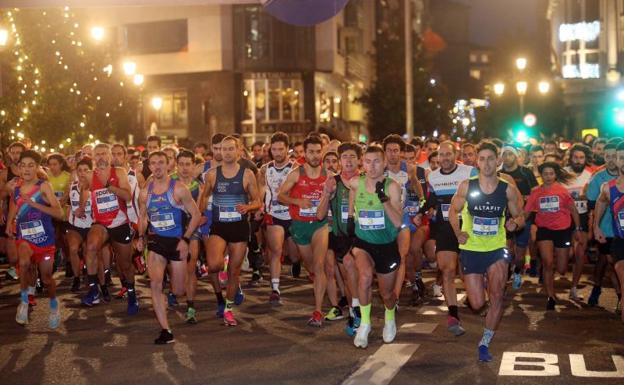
column 601, row 207
column 251, row 185
column 284, row 194
column 329, row 190
column 184, row 195
column 393, row 206
column 415, row 183
column 206, row 190
column 514, row 202
column 10, row 218
column 124, row 191
column 262, row 182
column 457, row 205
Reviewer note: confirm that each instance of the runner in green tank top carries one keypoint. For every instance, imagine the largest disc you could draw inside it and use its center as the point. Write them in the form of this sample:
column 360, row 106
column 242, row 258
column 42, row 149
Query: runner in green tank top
column 337, row 199
column 376, row 202
column 483, row 201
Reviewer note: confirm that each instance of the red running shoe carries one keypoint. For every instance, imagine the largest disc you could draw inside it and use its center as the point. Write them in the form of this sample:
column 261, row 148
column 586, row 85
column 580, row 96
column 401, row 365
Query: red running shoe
column 316, row 320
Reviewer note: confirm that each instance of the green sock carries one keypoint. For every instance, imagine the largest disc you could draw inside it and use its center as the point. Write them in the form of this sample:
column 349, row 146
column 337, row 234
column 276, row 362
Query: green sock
column 365, row 310
column 389, row 314
column 228, row 305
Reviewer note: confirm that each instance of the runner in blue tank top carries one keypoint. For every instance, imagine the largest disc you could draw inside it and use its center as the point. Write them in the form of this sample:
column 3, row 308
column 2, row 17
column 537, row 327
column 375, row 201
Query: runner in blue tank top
column 235, row 194
column 162, row 206
column 32, row 207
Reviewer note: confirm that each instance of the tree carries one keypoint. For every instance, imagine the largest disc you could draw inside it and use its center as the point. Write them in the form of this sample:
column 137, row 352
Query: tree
column 385, row 99
column 60, row 84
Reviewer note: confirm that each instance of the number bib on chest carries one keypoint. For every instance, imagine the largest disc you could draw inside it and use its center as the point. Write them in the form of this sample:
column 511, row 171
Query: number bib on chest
column 229, row 214
column 372, row 220
column 412, row 208
column 106, row 201
column 32, row 230
column 344, row 214
column 581, row 206
column 549, row 204
column 162, row 222
column 445, row 211
column 621, row 219
column 485, row 226
column 310, row 212
column 277, row 208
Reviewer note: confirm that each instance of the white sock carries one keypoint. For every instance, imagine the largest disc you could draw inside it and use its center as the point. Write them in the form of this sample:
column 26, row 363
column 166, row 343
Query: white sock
column 355, row 302
column 275, row 284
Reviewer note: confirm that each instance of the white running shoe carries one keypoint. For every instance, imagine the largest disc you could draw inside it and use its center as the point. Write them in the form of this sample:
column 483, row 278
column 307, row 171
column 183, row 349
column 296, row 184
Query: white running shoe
column 437, row 291
column 389, row 331
column 22, row 314
column 54, row 319
column 361, row 337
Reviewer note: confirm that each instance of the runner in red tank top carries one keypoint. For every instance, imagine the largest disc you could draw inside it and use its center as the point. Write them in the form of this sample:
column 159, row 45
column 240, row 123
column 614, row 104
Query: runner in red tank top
column 110, row 190
column 302, row 192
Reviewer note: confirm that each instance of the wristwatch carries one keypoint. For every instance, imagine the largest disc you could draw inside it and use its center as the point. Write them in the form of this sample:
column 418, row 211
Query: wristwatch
column 187, row 240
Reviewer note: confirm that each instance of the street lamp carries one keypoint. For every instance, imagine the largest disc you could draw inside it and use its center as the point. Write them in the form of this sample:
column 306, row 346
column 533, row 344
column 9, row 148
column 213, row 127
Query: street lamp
column 97, row 33
column 157, row 103
column 543, row 87
column 129, row 68
column 138, row 79
column 499, row 88
column 521, row 63
column 4, row 37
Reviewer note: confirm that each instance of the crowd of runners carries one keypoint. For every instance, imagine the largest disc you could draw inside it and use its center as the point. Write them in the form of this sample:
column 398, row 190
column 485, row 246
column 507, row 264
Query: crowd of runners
column 355, row 216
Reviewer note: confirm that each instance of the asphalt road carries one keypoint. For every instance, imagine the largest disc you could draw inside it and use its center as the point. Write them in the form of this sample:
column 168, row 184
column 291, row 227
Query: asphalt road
column 103, row 345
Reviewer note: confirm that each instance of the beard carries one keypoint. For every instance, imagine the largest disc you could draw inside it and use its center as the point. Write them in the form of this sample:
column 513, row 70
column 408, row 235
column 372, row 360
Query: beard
column 599, row 160
column 577, row 168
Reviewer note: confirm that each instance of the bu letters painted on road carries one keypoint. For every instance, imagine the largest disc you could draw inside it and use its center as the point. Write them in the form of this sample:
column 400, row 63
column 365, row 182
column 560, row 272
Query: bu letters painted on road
column 547, row 364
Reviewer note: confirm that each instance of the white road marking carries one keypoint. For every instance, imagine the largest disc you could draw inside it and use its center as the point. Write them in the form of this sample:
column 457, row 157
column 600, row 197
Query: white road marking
column 381, row 367
column 419, row 327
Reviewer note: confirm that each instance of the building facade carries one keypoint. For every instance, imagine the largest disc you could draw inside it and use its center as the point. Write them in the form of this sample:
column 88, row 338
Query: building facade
column 233, row 68
column 587, row 51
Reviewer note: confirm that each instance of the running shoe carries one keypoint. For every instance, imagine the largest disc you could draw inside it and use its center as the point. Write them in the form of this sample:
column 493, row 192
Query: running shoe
column 417, row 298
column 550, row 305
column 133, row 303
column 454, row 326
column 32, row 301
column 421, row 286
column 11, row 274
column 295, row 269
column 165, row 337
column 437, row 291
column 21, row 317
column 190, row 316
column 228, row 319
column 92, row 297
column 517, row 281
column 172, row 300
column 256, row 278
column 121, row 294
column 334, row 314
column 239, row 297
column 275, row 298
column 574, row 296
column 108, row 279
column 594, row 296
column 54, row 320
column 361, row 337
column 220, row 310
column 75, row 285
column 106, row 297
column 316, row 320
column 389, row 331
column 484, row 354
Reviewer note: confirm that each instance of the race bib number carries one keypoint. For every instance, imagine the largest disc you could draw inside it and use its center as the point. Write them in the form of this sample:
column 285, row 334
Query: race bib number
column 485, row 226
column 277, row 208
column 106, row 201
column 445, row 211
column 311, row 212
column 549, row 204
column 621, row 219
column 344, row 214
column 162, row 222
column 58, row 194
column 229, row 214
column 32, row 230
column 581, row 206
column 412, row 208
column 372, row 220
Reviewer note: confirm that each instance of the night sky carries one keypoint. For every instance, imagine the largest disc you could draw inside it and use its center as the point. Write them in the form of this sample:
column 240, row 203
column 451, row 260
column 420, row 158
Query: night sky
column 492, row 17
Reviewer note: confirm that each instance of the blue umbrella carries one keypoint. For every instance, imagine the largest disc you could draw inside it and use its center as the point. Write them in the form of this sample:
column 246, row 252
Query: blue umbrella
column 304, row 12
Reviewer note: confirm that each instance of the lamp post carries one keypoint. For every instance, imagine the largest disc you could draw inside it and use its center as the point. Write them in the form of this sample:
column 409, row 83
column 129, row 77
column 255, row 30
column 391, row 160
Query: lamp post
column 521, row 88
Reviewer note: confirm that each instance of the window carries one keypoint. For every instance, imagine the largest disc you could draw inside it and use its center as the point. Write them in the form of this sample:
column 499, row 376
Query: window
column 580, row 35
column 485, row 58
column 173, row 113
column 157, row 37
column 475, row 74
column 271, row 100
column 473, row 57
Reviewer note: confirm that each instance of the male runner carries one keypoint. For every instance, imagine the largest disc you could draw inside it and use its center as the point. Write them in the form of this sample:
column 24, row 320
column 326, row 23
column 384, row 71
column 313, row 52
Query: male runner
column 110, row 192
column 443, row 184
column 162, row 206
column 482, row 201
column 276, row 218
column 302, row 191
column 375, row 201
column 235, row 194
column 33, row 205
